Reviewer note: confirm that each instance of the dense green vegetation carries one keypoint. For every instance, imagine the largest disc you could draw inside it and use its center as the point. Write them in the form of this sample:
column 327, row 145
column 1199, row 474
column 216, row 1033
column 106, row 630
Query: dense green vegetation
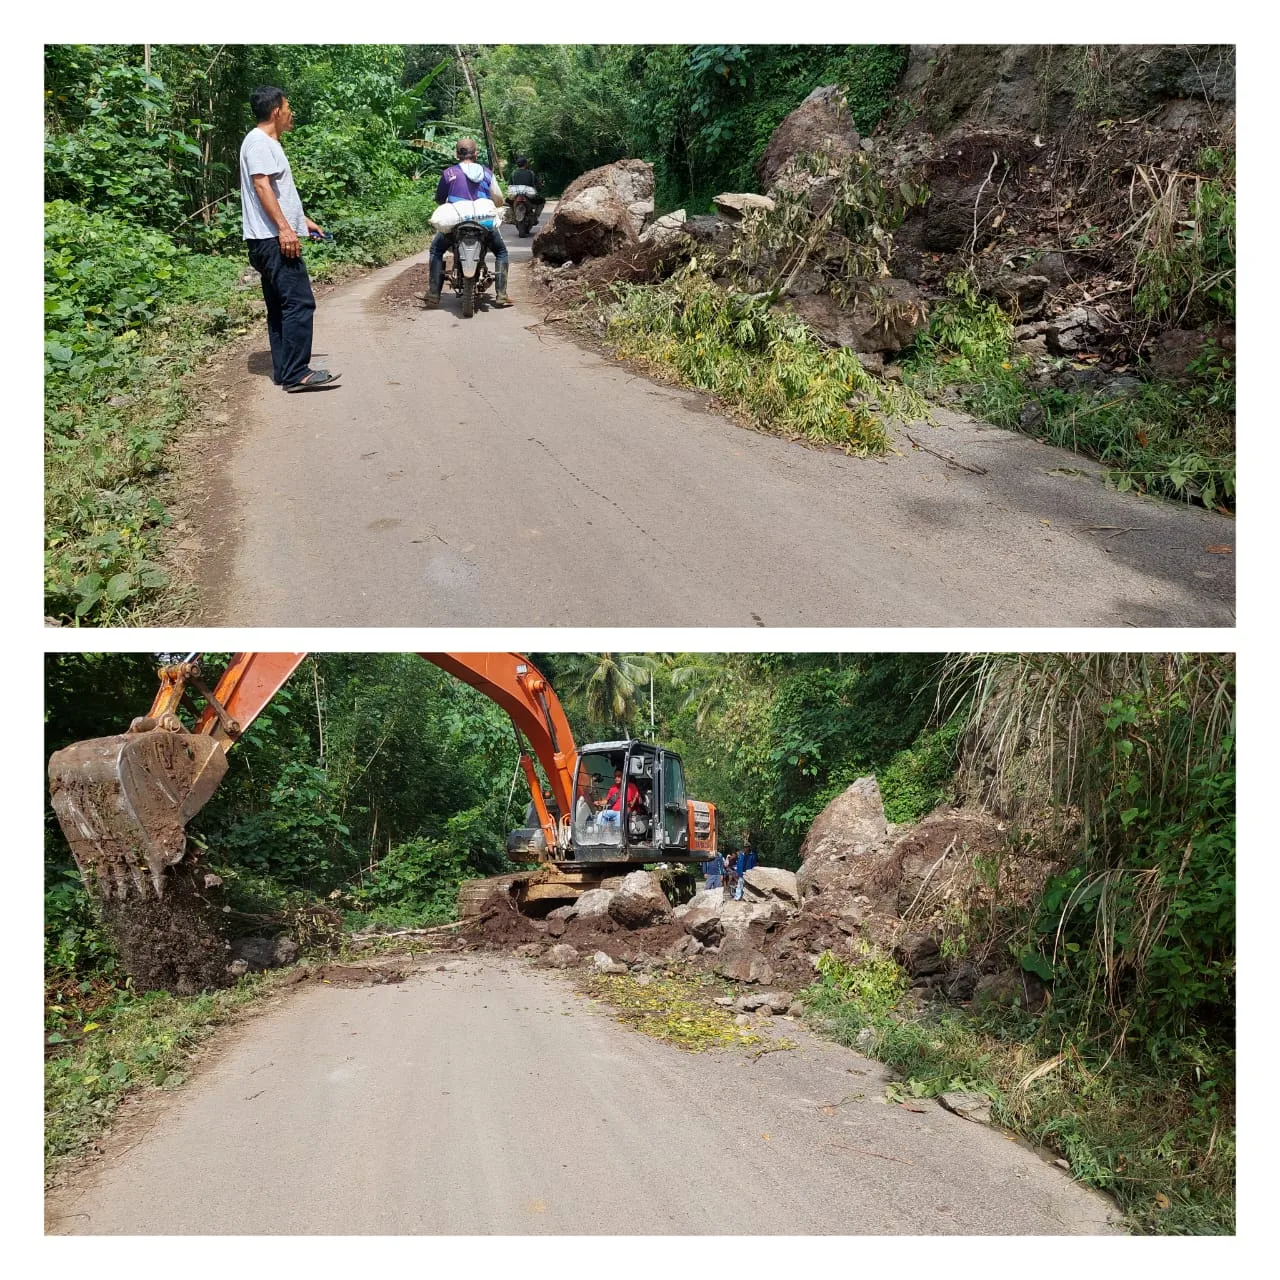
column 702, row 114
column 374, row 783
column 143, row 259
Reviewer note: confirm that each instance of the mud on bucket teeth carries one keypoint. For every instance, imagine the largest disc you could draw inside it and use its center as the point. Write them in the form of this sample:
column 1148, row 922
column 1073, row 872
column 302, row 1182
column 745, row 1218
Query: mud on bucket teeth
column 124, row 803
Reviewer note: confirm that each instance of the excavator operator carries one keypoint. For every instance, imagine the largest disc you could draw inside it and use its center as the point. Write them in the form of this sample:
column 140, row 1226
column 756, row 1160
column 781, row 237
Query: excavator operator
column 613, row 797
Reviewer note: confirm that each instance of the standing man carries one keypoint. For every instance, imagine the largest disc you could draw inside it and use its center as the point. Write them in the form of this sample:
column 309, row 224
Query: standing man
column 744, row 862
column 714, row 872
column 468, row 180
column 274, row 226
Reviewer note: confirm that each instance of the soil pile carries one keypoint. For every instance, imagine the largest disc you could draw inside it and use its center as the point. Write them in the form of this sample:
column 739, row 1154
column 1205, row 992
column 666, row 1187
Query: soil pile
column 907, row 890
column 176, row 943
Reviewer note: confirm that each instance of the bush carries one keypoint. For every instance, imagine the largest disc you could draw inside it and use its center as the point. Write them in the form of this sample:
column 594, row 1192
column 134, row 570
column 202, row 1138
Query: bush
column 920, row 777
column 766, row 364
column 416, row 883
column 1177, row 441
column 73, row 939
column 124, row 153
column 104, row 279
column 860, row 992
column 299, row 837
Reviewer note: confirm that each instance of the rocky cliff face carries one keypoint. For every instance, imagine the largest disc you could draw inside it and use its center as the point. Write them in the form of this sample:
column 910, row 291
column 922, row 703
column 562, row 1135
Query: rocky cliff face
column 1049, row 88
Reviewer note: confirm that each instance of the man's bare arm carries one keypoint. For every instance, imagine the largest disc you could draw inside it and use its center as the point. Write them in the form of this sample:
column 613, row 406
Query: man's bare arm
column 288, row 236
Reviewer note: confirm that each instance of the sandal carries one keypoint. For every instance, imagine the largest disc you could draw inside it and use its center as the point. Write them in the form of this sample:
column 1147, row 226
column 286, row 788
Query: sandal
column 315, row 380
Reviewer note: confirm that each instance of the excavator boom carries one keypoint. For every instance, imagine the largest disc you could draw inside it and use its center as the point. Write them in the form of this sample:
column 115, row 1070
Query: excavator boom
column 123, row 802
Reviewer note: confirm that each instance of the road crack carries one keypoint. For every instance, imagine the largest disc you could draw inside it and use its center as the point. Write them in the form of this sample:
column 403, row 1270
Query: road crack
column 626, row 515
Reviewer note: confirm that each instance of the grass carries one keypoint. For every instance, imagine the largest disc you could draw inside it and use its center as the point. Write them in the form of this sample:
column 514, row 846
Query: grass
column 766, row 365
column 1175, row 441
column 131, row 1043
column 108, row 432
column 1164, row 1148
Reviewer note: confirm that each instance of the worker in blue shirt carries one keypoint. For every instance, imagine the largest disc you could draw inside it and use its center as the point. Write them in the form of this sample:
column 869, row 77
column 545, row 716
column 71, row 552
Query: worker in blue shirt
column 743, row 863
column 714, row 871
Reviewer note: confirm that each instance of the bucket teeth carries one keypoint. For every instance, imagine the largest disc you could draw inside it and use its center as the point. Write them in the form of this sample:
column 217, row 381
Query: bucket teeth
column 123, row 804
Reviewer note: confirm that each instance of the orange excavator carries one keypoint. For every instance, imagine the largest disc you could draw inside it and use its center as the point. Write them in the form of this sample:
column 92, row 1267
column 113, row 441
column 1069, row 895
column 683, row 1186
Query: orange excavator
column 124, row 802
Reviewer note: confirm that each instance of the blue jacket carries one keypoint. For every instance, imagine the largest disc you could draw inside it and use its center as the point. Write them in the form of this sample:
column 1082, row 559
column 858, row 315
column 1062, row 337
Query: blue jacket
column 745, row 860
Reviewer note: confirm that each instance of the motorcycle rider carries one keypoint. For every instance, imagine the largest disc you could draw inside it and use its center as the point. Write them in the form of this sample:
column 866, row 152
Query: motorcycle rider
column 524, row 176
column 468, row 180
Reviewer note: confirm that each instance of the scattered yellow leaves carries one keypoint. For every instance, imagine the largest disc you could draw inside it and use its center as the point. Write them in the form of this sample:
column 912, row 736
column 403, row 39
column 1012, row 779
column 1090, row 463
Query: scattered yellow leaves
column 677, row 1010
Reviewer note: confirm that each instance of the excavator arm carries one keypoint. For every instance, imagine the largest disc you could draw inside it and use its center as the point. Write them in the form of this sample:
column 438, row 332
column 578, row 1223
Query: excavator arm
column 123, row 802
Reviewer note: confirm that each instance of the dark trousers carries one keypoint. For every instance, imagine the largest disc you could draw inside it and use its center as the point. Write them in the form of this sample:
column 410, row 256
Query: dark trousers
column 291, row 309
column 440, row 242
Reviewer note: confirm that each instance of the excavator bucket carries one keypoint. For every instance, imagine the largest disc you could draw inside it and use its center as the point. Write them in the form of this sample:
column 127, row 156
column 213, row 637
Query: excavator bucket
column 124, row 803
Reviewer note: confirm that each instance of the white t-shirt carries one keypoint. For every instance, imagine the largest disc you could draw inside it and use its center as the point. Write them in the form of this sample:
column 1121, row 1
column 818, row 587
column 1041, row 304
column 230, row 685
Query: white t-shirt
column 260, row 153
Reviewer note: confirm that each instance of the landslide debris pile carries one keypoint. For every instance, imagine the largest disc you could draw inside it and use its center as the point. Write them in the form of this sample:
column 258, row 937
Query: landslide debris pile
column 1052, row 176
column 860, row 881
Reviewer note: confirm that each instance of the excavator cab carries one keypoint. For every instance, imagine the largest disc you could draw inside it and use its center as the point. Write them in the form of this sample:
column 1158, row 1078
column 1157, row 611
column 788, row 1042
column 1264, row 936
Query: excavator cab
column 630, row 806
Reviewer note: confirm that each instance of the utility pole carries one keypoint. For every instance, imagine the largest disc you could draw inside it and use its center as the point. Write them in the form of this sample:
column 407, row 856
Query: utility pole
column 474, row 86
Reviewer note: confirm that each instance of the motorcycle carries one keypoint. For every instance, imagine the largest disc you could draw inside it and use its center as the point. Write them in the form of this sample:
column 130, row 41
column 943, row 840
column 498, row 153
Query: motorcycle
column 470, row 276
column 526, row 208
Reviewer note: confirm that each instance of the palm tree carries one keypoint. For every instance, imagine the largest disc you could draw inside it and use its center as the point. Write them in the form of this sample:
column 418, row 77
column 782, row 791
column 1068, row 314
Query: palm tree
column 705, row 680
column 605, row 685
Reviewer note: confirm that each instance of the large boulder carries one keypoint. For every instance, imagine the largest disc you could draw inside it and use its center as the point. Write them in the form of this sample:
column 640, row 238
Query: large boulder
column 737, row 918
column 666, row 231
column 593, row 904
column 640, row 901
column 732, row 205
column 264, row 953
column 705, row 925
column 761, row 883
column 887, row 319
column 820, row 124
column 711, row 898
column 600, row 212
column 739, row 961
column 920, row 954
column 838, row 852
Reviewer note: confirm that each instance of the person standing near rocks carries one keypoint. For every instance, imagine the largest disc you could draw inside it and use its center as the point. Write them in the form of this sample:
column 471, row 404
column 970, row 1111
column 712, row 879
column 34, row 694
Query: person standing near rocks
column 743, row 863
column 714, row 872
column 274, row 226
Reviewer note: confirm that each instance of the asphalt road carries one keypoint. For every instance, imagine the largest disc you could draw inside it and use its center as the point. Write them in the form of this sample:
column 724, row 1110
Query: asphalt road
column 489, row 1100
column 494, row 472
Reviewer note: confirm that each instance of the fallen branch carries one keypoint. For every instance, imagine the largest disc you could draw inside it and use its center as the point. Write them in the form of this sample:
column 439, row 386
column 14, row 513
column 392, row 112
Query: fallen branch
column 827, row 1107
column 946, row 457
column 374, row 935
column 906, row 915
column 973, row 242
